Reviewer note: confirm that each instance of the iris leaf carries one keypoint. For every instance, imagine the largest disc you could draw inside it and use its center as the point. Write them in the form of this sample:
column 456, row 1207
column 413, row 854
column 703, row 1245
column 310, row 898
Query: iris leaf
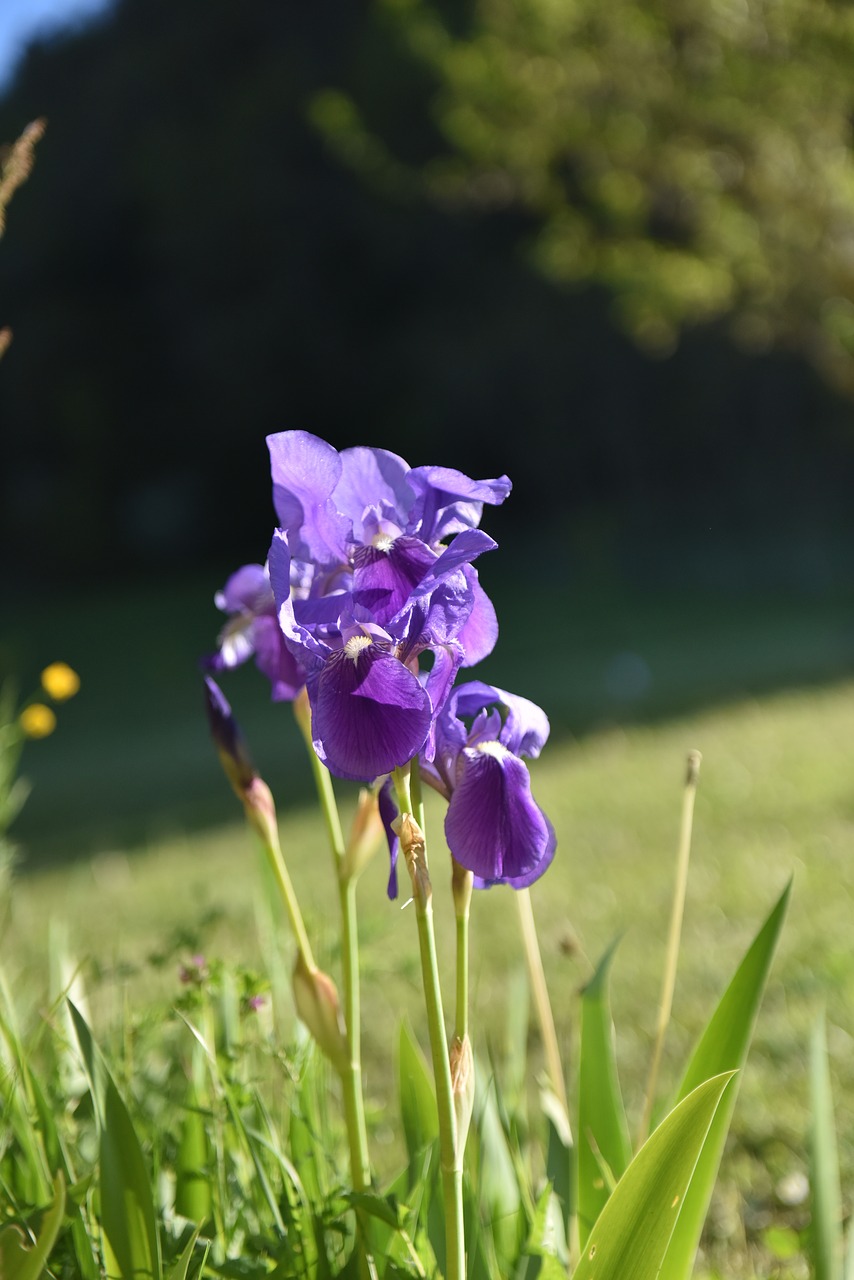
column 631, row 1235
column 604, row 1149
column 722, row 1047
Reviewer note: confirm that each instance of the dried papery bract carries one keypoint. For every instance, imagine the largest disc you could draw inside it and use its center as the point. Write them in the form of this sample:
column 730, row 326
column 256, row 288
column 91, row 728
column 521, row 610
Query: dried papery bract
column 412, row 846
column 16, row 165
column 462, row 1088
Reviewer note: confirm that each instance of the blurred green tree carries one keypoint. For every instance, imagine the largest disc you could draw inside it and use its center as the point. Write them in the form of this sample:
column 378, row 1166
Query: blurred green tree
column 694, row 158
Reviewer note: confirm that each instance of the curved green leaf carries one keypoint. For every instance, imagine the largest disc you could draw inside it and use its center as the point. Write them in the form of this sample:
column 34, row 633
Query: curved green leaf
column 181, row 1266
column 417, row 1099
column 631, row 1235
column 20, row 1261
column 722, row 1047
column 604, row 1149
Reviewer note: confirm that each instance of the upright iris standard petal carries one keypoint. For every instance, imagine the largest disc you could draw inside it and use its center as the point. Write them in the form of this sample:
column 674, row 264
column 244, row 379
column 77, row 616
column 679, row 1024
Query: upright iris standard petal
column 526, row 726
column 493, row 826
column 448, row 501
column 305, row 472
column 372, row 480
column 369, row 712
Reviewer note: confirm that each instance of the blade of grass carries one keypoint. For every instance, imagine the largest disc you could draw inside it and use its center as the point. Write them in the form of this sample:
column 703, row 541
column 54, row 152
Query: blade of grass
column 127, row 1206
column 179, row 1270
column 680, row 889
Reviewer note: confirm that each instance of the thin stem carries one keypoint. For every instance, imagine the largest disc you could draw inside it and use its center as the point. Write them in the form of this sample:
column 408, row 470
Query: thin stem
column 540, row 992
column 417, row 797
column 414, row 848
column 668, row 986
column 461, row 1020
column 326, row 795
column 276, row 861
column 351, row 1076
column 461, row 885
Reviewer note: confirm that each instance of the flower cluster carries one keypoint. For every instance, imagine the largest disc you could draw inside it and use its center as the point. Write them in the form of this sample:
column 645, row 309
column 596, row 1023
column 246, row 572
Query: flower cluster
column 370, row 599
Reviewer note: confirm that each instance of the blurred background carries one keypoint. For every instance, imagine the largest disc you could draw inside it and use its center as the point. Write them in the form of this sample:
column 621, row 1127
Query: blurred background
column 608, row 251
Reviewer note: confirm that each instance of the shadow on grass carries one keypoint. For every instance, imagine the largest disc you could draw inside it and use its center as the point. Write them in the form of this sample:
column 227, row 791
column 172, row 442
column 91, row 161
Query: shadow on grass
column 131, row 762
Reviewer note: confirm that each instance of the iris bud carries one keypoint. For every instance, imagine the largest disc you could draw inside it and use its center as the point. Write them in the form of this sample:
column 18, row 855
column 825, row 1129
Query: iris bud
column 462, row 1090
column 366, row 834
column 318, row 1006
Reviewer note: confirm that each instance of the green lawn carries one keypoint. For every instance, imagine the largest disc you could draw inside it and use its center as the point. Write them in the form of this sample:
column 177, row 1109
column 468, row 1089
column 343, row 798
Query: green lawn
column 134, row 851
column 776, row 800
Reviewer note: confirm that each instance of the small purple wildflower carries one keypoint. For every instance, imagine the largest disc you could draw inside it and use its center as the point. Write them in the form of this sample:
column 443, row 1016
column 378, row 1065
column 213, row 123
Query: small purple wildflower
column 194, row 972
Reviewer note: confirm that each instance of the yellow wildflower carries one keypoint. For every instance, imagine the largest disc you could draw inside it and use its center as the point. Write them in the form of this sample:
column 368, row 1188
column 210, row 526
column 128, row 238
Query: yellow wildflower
column 60, row 681
column 37, row 720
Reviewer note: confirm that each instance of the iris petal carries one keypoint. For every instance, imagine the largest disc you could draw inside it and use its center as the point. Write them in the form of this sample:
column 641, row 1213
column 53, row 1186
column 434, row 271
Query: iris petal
column 383, row 580
column 369, row 713
column 388, row 813
column 480, row 632
column 305, row 472
column 449, row 501
column 248, row 588
column 526, row 726
column 275, row 660
column 493, row 826
column 372, row 478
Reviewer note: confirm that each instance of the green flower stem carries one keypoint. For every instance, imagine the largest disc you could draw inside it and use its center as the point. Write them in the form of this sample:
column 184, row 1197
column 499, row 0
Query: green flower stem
column 414, row 849
column 680, row 889
column 351, row 1077
column 461, row 882
column 326, row 795
column 270, row 839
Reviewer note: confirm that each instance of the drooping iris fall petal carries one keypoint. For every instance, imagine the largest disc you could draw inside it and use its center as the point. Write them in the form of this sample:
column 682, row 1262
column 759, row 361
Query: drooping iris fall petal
column 493, row 826
column 369, row 712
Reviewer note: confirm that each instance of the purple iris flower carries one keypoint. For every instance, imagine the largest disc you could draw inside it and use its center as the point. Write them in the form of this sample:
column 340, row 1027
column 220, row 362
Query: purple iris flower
column 370, row 710
column 365, row 512
column 253, row 630
column 385, row 588
column 494, row 827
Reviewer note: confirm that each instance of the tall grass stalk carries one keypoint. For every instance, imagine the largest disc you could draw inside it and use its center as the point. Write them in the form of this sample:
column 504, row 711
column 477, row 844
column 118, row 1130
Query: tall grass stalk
column 683, row 858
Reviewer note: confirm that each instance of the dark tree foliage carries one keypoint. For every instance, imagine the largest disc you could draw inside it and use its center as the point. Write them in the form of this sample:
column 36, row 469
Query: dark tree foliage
column 191, row 267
